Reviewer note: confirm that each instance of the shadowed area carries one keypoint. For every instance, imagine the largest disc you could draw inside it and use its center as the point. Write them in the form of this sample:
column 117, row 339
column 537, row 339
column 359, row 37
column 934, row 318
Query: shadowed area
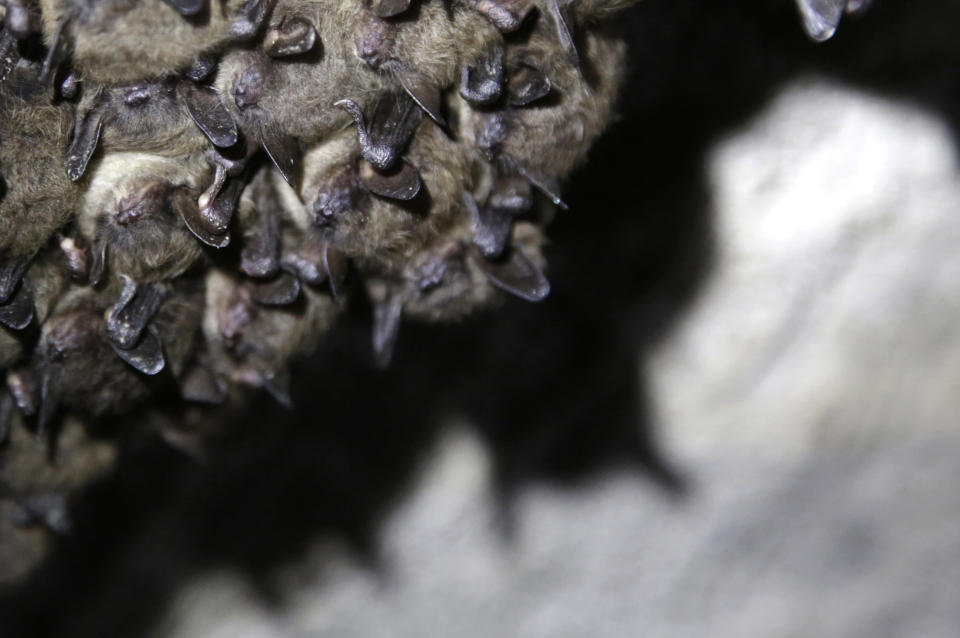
column 556, row 390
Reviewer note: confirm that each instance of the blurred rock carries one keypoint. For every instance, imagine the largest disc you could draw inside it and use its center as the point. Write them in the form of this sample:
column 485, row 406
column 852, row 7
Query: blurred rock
column 812, row 393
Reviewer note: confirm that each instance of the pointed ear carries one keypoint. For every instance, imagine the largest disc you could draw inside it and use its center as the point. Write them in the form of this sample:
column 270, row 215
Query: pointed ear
column 146, row 356
column 482, row 82
column 401, row 182
column 49, row 399
column 293, row 36
column 6, row 417
column 284, row 151
column 11, row 272
column 260, row 255
column 98, row 263
column 202, row 67
column 506, row 15
column 389, row 8
column 282, row 290
column 187, row 7
column 86, row 137
column 564, row 34
column 526, row 85
column 17, row 312
column 189, row 213
column 384, row 135
column 427, row 95
column 821, row 17
column 491, row 228
column 56, row 54
column 386, row 326
column 335, row 264
column 128, row 318
column 202, row 385
column 516, row 274
column 209, row 114
column 250, row 18
column 24, row 385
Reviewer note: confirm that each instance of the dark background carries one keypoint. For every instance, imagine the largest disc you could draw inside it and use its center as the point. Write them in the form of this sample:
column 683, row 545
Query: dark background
column 554, row 389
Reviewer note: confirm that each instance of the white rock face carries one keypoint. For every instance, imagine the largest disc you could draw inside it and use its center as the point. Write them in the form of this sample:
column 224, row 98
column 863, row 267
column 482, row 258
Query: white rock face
column 812, row 393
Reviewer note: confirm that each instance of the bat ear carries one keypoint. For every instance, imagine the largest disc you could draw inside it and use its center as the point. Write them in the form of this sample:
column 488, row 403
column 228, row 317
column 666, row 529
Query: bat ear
column 260, row 255
column 17, row 312
column 24, row 386
column 563, row 33
column 277, row 384
column 427, row 95
column 11, row 272
column 401, row 182
column 516, row 274
column 146, row 356
column 389, row 8
column 49, row 399
column 293, row 36
column 282, row 290
column 821, row 17
column 284, row 151
column 187, row 8
column 481, row 83
column 526, row 85
column 200, row 384
column 250, row 18
column 506, row 15
column 202, row 67
column 128, row 318
column 386, row 326
column 209, row 114
column 491, row 227
column 189, row 212
column 335, row 264
column 56, row 54
column 86, row 137
column 6, row 417
column 385, row 134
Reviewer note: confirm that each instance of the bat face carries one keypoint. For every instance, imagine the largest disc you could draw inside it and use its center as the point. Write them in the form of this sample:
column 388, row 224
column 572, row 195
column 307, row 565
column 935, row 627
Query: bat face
column 130, row 209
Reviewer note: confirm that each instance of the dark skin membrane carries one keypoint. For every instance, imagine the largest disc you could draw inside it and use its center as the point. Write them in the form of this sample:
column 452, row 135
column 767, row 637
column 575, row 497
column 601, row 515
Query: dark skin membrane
column 200, row 384
column 526, row 85
column 146, row 356
column 564, row 33
column 86, row 137
column 128, row 318
column 481, row 83
column 427, row 95
column 389, row 8
column 209, row 114
column 386, row 132
column 491, row 228
column 251, row 17
column 187, row 7
column 516, row 274
column 401, row 182
column 17, row 312
column 282, row 290
column 293, row 36
column 506, row 15
column 386, row 327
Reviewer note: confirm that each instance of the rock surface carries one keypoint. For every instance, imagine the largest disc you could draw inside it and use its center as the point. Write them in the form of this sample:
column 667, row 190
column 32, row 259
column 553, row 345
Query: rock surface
column 810, row 394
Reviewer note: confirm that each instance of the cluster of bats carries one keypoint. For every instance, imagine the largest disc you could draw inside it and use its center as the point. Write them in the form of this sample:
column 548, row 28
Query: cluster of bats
column 193, row 189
